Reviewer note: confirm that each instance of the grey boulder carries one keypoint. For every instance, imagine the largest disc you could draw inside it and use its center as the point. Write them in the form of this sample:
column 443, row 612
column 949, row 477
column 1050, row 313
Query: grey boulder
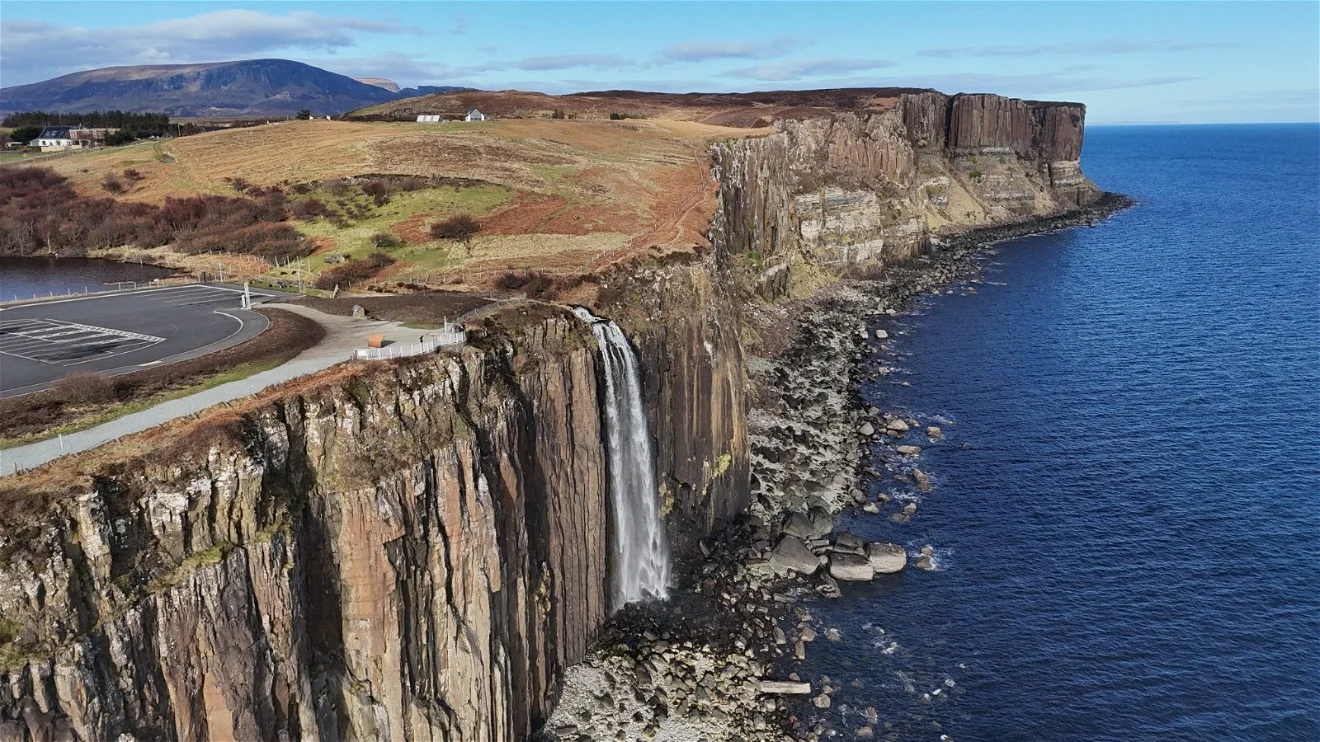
column 851, row 568
column 791, row 555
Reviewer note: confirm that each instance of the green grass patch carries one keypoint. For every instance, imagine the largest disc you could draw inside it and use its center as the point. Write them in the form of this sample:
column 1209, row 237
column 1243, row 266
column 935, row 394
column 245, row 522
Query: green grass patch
column 355, row 239
column 6, row 157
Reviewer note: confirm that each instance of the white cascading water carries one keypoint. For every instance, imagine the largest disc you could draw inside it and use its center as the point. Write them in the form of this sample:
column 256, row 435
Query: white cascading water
column 641, row 556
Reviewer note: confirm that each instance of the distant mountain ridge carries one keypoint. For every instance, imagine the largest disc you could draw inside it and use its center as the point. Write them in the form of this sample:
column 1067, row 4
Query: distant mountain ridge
column 245, row 88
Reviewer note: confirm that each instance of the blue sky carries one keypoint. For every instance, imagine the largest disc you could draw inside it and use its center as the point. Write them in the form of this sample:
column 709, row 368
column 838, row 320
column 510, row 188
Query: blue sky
column 1130, row 62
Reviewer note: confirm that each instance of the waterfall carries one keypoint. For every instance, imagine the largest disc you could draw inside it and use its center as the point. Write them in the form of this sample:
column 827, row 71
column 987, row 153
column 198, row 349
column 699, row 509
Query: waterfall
column 640, row 568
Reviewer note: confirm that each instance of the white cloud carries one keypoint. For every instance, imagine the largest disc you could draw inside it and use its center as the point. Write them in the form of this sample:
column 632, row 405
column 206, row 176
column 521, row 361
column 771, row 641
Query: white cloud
column 406, row 70
column 800, row 69
column 1042, row 85
column 702, row 50
column 1113, row 46
column 551, row 62
column 37, row 50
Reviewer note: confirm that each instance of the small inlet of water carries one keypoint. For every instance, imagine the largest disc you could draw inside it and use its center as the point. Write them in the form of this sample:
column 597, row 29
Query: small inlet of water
column 640, row 566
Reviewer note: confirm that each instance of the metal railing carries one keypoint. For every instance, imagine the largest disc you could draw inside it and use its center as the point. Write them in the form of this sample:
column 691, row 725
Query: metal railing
column 444, row 338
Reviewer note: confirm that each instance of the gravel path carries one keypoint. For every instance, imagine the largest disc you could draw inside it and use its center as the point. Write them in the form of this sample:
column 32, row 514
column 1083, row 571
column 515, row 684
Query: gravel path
column 343, row 334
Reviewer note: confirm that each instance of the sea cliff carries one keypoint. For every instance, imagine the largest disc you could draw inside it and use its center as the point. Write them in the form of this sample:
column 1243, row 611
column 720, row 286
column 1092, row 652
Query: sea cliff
column 420, row 550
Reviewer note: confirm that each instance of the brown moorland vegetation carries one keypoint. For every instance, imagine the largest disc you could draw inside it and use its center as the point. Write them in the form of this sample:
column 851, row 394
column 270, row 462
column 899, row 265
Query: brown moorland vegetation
column 354, row 271
column 723, row 109
column 41, row 212
column 422, row 308
column 566, row 196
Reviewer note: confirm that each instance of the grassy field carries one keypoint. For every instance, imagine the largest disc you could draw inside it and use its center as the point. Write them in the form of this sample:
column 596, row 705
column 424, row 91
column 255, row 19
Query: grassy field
column 552, row 195
column 17, row 157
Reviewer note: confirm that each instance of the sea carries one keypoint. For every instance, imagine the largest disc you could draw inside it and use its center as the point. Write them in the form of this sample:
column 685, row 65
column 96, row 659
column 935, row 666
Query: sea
column 1126, row 501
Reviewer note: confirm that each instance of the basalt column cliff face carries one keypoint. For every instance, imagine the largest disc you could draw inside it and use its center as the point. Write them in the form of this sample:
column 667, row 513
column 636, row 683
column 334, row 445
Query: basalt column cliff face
column 875, row 187
column 404, row 553
column 407, row 552
column 685, row 323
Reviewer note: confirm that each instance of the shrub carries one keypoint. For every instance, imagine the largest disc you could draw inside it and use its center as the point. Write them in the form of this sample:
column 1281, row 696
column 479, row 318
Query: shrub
column 308, row 209
column 39, row 210
column 304, row 114
column 85, row 387
column 386, row 240
column 533, row 283
column 462, row 227
column 133, row 176
column 353, row 271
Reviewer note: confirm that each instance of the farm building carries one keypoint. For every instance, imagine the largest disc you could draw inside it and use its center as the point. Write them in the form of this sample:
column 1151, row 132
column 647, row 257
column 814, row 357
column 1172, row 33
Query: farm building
column 54, row 138
column 428, row 118
column 474, row 115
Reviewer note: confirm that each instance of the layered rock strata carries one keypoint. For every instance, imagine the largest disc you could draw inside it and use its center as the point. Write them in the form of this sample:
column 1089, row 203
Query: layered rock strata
column 874, row 187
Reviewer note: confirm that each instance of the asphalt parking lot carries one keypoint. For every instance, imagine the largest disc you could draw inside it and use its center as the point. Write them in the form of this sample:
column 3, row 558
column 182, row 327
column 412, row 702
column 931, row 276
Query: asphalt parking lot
column 117, row 333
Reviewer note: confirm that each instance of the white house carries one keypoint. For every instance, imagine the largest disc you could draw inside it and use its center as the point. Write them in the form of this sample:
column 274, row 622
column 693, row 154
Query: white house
column 474, row 115
column 54, row 138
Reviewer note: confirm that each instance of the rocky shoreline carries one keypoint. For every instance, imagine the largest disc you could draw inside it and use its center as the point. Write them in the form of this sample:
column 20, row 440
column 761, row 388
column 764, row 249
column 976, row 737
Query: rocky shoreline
column 718, row 660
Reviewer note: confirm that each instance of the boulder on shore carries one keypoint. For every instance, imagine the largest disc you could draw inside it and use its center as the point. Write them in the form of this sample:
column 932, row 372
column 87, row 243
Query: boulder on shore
column 881, row 335
column 886, row 558
column 799, row 526
column 922, row 480
column 822, row 523
column 896, row 427
column 791, row 555
column 851, row 567
column 933, row 432
column 910, row 450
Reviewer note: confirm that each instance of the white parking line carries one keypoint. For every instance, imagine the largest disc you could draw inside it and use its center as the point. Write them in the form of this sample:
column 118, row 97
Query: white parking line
column 68, row 343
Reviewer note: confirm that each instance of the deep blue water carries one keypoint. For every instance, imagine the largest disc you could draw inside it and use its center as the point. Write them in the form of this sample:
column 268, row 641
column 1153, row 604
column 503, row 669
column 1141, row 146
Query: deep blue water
column 1127, row 503
column 22, row 278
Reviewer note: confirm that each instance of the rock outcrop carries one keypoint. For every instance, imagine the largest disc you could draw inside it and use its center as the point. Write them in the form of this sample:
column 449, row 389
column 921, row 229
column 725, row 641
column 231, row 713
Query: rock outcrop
column 875, row 187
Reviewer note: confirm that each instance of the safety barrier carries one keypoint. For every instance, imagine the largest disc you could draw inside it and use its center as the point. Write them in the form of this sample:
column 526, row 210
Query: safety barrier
column 434, row 342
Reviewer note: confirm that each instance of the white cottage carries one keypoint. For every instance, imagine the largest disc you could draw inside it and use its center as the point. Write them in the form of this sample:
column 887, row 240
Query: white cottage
column 55, row 138
column 474, row 115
